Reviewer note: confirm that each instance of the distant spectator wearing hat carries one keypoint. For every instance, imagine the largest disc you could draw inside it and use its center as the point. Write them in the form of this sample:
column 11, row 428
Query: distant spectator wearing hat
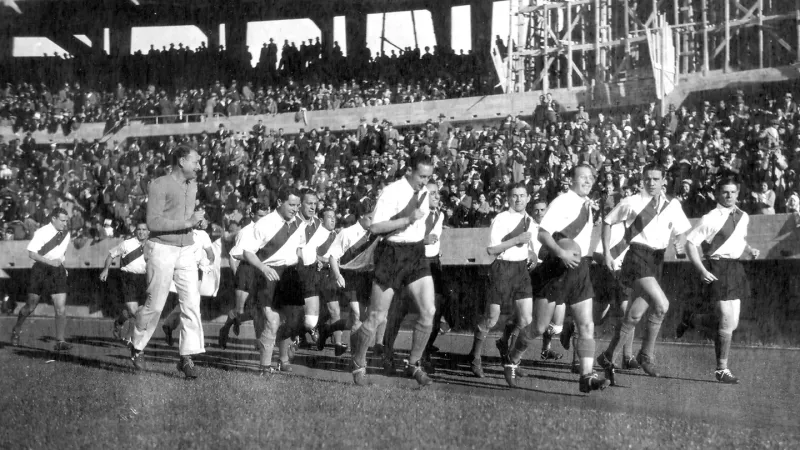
column 789, row 107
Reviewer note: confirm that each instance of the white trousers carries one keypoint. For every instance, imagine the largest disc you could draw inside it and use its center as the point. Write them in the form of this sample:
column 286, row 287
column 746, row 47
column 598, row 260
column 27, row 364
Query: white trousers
column 165, row 264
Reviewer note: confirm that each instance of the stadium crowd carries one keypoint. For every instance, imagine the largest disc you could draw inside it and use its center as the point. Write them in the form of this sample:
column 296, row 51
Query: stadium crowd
column 188, row 85
column 103, row 186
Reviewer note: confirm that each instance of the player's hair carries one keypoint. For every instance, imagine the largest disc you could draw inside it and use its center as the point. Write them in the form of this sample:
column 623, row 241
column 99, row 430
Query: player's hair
column 57, row 211
column 307, row 191
column 142, row 222
column 517, row 185
column 327, row 209
column 573, row 169
column 726, row 181
column 258, row 206
column 419, row 158
column 285, row 191
column 361, row 210
column 180, row 151
column 649, row 167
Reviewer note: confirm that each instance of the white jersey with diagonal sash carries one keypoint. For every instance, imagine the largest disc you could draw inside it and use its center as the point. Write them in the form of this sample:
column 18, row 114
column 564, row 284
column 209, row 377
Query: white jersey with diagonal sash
column 649, row 221
column 569, row 215
column 506, row 226
column 131, row 254
column 48, row 243
column 721, row 233
column 400, row 200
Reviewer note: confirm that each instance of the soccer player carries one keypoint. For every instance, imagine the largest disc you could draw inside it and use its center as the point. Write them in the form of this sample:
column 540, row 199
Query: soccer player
column 650, row 218
column 317, row 232
column 350, row 264
column 271, row 249
column 510, row 240
column 613, row 290
column 245, row 281
column 204, row 256
column 400, row 214
column 169, row 253
column 399, row 308
column 720, row 235
column 133, row 276
column 557, row 324
column 48, row 249
column 563, row 277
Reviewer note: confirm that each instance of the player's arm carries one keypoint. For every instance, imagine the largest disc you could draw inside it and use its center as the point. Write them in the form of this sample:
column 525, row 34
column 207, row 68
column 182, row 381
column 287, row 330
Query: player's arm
column 253, row 260
column 694, row 257
column 41, row 259
column 522, row 238
column 568, row 258
column 389, row 226
column 209, row 254
column 605, row 238
column 106, row 266
column 337, row 274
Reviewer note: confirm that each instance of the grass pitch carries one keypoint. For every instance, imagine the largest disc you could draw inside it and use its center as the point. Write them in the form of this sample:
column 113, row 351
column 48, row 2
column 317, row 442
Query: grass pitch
column 88, row 403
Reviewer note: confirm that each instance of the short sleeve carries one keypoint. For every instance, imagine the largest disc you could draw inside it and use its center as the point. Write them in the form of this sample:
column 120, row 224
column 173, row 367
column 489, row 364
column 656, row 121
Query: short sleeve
column 681, row 223
column 618, row 214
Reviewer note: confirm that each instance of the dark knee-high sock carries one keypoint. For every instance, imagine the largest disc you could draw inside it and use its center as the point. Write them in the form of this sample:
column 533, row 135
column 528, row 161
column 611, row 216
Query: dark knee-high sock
column 477, row 344
column 393, row 322
column 23, row 314
column 122, row 317
column 722, row 346
column 360, row 341
column 622, row 335
column 437, row 320
column 547, row 337
column 61, row 326
column 507, row 330
column 512, row 338
column 418, row 341
column 521, row 344
column 652, row 328
column 706, row 322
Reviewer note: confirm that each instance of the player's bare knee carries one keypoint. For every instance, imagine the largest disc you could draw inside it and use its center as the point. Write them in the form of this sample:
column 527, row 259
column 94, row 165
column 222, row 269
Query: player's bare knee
column 585, row 330
column 525, row 319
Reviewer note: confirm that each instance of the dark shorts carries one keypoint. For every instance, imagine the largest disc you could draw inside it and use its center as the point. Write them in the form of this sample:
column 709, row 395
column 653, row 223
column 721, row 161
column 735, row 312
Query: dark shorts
column 309, row 280
column 608, row 289
column 509, row 281
column 399, row 264
column 134, row 287
column 555, row 282
column 47, row 280
column 641, row 262
column 435, row 267
column 731, row 281
column 277, row 294
column 246, row 277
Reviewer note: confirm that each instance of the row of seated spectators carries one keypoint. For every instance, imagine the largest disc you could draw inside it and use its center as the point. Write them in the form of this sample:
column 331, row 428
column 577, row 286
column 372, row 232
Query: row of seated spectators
column 180, row 83
column 104, row 185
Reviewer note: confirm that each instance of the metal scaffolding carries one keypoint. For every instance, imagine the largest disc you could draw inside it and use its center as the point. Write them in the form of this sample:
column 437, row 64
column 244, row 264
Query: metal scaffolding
column 573, row 43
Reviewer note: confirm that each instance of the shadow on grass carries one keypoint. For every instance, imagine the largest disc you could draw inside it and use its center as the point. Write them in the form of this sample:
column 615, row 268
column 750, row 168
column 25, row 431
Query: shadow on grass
column 47, row 355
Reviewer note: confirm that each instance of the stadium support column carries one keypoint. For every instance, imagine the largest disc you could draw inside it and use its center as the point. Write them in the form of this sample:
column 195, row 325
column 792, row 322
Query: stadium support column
column 236, row 38
column 325, row 25
column 6, row 43
column 356, row 24
column 442, row 16
column 481, row 21
column 120, row 36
